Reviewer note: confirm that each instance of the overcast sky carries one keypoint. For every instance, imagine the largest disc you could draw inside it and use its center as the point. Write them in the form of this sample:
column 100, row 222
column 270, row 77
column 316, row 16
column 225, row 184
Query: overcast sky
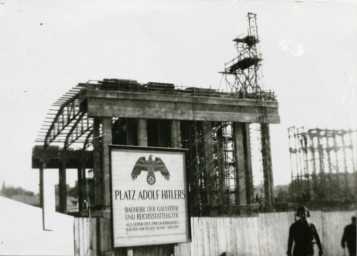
column 47, row 47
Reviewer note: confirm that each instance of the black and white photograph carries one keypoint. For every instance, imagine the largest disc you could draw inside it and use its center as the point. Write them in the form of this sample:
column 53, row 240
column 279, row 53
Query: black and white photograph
column 178, row 128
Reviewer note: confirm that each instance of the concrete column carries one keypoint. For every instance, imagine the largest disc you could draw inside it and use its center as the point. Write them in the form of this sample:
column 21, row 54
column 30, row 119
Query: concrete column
column 175, row 134
column 221, row 167
column 105, row 231
column 267, row 167
column 62, row 187
column 41, row 170
column 209, row 165
column 80, row 188
column 248, row 164
column 143, row 142
column 142, row 133
column 98, row 174
column 106, row 141
column 131, row 130
column 240, row 163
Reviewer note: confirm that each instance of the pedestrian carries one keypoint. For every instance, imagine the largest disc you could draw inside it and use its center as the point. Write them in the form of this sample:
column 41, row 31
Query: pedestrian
column 302, row 233
column 349, row 237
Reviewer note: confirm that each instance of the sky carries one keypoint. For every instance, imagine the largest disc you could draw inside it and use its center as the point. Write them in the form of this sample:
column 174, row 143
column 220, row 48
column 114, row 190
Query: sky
column 47, row 47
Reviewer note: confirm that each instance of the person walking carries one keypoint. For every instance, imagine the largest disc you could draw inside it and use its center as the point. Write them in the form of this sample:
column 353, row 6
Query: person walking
column 302, row 233
column 349, row 237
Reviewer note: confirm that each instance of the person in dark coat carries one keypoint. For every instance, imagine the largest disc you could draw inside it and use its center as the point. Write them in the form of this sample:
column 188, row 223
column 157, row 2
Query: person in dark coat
column 349, row 237
column 302, row 233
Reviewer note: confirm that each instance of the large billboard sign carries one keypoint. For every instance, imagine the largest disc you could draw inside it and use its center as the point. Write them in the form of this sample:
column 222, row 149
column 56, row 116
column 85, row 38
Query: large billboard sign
column 149, row 196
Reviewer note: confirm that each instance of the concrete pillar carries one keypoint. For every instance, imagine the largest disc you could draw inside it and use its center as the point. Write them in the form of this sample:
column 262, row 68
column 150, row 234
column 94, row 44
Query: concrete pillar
column 62, row 186
column 142, row 133
column 267, row 167
column 143, row 142
column 221, row 168
column 106, row 141
column 105, row 230
column 81, row 188
column 175, row 134
column 240, row 163
column 131, row 125
column 42, row 167
column 209, row 166
column 98, row 174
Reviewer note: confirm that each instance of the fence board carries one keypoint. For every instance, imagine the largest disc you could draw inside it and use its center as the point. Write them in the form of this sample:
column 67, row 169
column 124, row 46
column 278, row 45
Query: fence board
column 263, row 235
column 333, row 224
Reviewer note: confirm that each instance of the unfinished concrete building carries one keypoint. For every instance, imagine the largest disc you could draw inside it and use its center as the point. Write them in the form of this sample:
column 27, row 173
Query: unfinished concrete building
column 213, row 126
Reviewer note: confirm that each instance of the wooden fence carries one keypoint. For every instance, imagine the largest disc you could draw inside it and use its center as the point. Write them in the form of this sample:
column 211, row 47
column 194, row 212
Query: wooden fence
column 263, row 235
column 85, row 231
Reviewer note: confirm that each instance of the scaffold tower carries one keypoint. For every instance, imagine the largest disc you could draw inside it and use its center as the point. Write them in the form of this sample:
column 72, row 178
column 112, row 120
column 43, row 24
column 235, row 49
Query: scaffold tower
column 323, row 165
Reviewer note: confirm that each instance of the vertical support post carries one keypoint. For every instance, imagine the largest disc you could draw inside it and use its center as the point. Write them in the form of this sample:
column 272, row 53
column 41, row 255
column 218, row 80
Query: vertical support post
column 175, row 134
column 221, row 168
column 130, row 132
column 142, row 133
column 321, row 163
column 63, row 184
column 248, row 164
column 80, row 188
column 267, row 167
column 106, row 232
column 47, row 197
column 306, row 166
column 196, row 176
column 42, row 167
column 329, row 161
column 347, row 189
column 352, row 151
column 143, row 142
column 106, row 141
column 314, row 179
column 240, row 164
column 98, row 174
column 209, row 166
column 175, row 143
column 337, row 163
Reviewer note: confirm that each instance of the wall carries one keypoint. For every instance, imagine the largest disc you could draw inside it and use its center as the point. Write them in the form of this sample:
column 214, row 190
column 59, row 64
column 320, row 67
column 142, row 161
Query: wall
column 262, row 235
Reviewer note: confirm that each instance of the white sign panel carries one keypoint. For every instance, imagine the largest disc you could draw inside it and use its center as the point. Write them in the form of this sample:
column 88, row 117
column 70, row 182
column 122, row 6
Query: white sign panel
column 149, row 197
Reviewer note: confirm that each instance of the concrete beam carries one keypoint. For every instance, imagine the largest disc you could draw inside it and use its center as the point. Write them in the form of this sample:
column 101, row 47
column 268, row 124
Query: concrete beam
column 75, row 159
column 175, row 106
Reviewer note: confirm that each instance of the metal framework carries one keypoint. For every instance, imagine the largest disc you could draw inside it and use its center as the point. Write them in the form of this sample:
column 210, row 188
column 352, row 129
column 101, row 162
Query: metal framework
column 323, row 165
column 66, row 124
column 242, row 72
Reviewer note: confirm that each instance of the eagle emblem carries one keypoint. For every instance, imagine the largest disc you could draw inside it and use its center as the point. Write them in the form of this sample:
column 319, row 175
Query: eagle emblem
column 151, row 167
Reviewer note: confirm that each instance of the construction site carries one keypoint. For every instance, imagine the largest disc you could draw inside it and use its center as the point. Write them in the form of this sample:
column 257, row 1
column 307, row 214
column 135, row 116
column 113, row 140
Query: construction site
column 213, row 127
column 323, row 167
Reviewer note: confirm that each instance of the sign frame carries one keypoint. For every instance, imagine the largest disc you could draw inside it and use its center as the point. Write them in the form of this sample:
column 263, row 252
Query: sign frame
column 147, row 150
